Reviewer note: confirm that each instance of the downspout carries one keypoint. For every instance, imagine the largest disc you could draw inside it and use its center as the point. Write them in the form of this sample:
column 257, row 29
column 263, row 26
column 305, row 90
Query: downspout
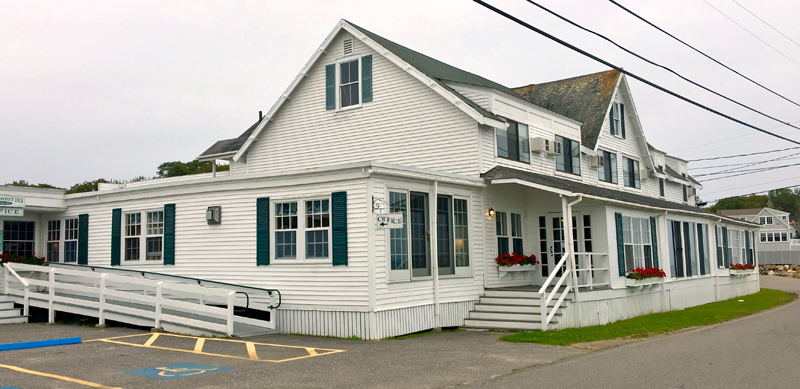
column 435, row 252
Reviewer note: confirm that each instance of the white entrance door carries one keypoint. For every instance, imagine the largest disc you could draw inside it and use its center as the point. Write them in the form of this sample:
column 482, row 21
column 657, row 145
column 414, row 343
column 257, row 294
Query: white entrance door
column 556, row 245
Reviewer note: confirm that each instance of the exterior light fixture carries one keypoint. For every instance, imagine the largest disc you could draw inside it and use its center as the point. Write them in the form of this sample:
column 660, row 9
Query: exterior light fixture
column 491, row 211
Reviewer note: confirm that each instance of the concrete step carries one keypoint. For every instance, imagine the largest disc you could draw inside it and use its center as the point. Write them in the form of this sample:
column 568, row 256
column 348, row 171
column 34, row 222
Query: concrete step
column 516, row 301
column 524, row 317
column 14, row 320
column 522, row 309
column 10, row 312
column 511, row 293
column 504, row 324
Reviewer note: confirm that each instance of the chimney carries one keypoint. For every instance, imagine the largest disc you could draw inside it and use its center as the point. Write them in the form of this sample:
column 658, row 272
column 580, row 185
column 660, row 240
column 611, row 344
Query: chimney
column 260, row 116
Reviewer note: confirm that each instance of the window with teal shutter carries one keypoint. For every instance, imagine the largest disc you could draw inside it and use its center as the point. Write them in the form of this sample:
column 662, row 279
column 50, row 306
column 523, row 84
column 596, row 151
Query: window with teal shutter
column 366, row 78
column 339, row 228
column 83, row 239
column 622, row 118
column 169, row 234
column 620, row 245
column 654, row 240
column 116, row 236
column 330, row 87
column 725, row 248
column 262, row 231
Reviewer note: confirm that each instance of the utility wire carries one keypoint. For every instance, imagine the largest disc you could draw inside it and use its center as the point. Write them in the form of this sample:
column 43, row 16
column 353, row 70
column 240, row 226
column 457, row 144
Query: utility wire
column 724, row 140
column 742, row 155
column 601, row 36
column 619, row 69
column 739, row 174
column 763, row 21
column 743, row 170
column 702, row 53
column 751, row 33
column 753, row 193
column 750, row 186
column 744, row 163
column 748, row 164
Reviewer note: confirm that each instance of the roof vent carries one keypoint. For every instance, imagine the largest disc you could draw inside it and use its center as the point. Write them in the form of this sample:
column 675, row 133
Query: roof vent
column 348, row 46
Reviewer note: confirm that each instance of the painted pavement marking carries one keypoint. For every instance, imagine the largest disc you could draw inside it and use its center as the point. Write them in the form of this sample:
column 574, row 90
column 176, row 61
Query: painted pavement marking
column 177, row 370
column 58, row 377
column 200, row 343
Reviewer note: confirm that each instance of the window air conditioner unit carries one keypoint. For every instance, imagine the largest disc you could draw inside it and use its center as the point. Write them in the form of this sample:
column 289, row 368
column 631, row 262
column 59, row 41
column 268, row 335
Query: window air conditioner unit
column 557, row 148
column 544, row 145
column 214, row 215
column 651, row 174
column 597, row 161
column 644, row 174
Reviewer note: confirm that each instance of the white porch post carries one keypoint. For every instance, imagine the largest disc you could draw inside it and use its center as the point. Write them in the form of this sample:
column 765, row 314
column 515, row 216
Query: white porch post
column 102, row 314
column 51, row 313
column 566, row 209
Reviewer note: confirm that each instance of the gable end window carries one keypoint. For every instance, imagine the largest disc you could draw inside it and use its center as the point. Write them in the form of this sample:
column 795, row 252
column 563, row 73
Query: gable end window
column 348, row 84
column 617, row 120
column 608, row 172
column 512, row 142
column 570, row 159
column 630, row 173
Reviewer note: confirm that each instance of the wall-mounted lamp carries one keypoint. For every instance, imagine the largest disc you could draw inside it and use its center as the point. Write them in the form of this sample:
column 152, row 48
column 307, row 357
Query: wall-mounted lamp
column 491, row 211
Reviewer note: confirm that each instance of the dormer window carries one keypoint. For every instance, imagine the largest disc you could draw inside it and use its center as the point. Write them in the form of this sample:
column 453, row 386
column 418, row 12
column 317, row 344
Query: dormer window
column 512, row 142
column 630, row 173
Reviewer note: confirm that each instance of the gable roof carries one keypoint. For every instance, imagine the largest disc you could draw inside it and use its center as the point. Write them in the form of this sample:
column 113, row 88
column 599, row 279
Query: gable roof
column 227, row 147
column 578, row 188
column 740, row 212
column 583, row 98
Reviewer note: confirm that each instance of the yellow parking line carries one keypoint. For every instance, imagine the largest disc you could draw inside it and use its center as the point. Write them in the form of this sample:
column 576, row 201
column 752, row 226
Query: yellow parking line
column 58, row 377
column 198, row 347
column 311, row 351
column 115, row 337
column 151, row 340
column 251, row 351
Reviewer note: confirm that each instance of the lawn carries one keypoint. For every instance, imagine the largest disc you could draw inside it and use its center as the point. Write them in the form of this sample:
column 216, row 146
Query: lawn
column 660, row 323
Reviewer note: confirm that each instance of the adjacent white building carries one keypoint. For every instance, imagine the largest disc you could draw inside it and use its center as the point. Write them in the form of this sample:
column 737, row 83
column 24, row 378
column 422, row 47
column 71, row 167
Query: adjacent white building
column 465, row 168
column 778, row 243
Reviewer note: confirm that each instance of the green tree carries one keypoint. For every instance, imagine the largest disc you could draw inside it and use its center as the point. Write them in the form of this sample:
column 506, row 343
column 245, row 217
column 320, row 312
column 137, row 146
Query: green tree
column 785, row 200
column 740, row 202
column 89, row 186
column 29, row 185
column 178, row 168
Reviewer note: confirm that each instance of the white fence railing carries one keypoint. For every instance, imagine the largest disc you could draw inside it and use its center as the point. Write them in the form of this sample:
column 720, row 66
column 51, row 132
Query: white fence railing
column 547, row 297
column 206, row 308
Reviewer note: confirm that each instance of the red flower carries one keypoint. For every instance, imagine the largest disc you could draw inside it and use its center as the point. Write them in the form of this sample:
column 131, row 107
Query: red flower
column 642, row 273
column 738, row 266
column 515, row 259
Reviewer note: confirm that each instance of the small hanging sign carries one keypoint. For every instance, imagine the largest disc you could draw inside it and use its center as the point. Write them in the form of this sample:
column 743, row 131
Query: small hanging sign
column 9, row 211
column 388, row 221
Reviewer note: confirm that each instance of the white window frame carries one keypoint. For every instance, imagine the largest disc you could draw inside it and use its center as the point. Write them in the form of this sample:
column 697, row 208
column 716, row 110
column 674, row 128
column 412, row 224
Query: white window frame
column 762, row 220
column 644, row 239
column 635, row 172
column 57, row 239
column 407, row 275
column 143, row 235
column 784, row 236
column 737, row 247
column 349, row 58
column 65, row 235
column 695, row 249
column 769, row 220
column 300, row 231
column 616, row 125
column 525, row 145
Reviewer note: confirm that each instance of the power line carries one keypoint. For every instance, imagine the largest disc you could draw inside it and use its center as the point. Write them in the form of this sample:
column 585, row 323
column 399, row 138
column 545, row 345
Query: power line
column 744, row 163
column 744, row 173
column 619, row 69
column 754, row 193
column 702, row 53
column 742, row 155
column 751, row 33
column 748, row 164
column 763, row 21
column 750, row 186
column 601, row 36
column 723, row 140
column 741, row 170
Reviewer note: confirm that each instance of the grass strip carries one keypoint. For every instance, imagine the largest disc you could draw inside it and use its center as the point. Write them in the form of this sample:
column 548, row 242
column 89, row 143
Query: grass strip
column 661, row 323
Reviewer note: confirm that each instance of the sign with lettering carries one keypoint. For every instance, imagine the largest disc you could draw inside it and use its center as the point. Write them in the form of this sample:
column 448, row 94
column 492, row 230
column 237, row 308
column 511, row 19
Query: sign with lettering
column 12, row 201
column 388, row 221
column 8, row 211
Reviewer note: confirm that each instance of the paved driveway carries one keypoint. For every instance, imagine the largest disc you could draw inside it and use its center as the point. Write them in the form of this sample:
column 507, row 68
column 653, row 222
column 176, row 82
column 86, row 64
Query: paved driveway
column 760, row 351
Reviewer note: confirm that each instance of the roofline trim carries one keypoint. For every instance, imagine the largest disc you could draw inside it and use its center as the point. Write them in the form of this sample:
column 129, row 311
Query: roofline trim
column 212, row 157
column 344, row 25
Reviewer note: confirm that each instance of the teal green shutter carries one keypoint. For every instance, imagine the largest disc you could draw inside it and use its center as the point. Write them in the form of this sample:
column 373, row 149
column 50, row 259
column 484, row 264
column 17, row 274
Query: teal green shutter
column 83, row 239
column 339, row 227
column 116, row 227
column 747, row 247
column 725, row 245
column 262, row 231
column 330, row 86
column 611, row 119
column 622, row 118
column 620, row 245
column 366, row 78
column 169, row 234
column 654, row 240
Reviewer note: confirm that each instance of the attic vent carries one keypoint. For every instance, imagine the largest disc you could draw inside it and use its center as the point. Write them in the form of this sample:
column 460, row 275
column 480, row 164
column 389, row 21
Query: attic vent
column 348, row 46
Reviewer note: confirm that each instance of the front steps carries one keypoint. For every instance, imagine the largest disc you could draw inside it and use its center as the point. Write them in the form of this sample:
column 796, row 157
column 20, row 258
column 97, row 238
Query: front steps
column 9, row 314
column 509, row 309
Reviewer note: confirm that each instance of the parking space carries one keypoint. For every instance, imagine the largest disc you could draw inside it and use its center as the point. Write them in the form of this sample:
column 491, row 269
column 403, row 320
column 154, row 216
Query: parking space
column 127, row 358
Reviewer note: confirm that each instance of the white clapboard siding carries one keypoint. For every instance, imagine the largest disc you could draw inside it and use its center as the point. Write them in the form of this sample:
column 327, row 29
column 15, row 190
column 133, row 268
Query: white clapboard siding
column 227, row 252
column 406, row 124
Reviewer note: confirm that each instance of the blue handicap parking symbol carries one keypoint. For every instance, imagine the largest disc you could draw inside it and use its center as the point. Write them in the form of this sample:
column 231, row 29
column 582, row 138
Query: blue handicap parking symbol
column 177, row 370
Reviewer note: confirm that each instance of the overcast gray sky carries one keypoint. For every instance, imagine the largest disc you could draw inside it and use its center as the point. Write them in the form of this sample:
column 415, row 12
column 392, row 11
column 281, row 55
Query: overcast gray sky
column 111, row 89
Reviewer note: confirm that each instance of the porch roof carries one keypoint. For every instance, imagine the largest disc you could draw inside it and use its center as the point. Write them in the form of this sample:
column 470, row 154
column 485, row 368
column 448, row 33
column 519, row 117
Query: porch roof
column 574, row 188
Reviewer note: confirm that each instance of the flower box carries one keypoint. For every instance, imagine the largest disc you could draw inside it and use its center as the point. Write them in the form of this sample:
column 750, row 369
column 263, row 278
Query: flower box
column 735, row 272
column 516, row 268
column 630, row 282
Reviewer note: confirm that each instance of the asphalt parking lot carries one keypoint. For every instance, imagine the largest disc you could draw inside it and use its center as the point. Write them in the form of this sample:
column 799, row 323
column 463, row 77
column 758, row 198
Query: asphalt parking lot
column 128, row 358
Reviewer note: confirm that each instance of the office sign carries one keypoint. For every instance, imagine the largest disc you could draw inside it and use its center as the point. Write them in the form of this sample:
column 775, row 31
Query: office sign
column 388, row 221
column 9, row 211
column 12, row 201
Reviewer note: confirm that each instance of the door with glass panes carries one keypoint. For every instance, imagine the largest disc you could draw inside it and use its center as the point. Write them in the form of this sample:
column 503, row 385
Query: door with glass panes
column 553, row 244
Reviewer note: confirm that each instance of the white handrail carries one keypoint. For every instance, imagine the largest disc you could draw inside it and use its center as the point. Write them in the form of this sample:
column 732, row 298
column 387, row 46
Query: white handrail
column 13, row 273
column 552, row 275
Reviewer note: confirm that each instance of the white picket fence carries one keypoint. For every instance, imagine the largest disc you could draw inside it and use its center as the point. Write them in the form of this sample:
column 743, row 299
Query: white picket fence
column 140, row 300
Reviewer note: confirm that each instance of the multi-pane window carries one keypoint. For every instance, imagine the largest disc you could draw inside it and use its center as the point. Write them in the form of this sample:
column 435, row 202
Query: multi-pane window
column 543, row 245
column 630, row 173
column 736, row 249
column 516, row 233
column 512, row 142
column 617, row 111
column 286, row 230
column 702, row 249
column 18, row 237
column 133, row 232
column 769, row 219
column 398, row 237
column 607, row 172
column 501, row 229
column 348, row 84
column 570, row 158
column 53, row 240
column 784, row 236
column 720, row 247
column 71, row 240
column 637, row 241
column 461, row 232
column 685, row 194
column 155, row 236
column 318, row 222
column 765, row 220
